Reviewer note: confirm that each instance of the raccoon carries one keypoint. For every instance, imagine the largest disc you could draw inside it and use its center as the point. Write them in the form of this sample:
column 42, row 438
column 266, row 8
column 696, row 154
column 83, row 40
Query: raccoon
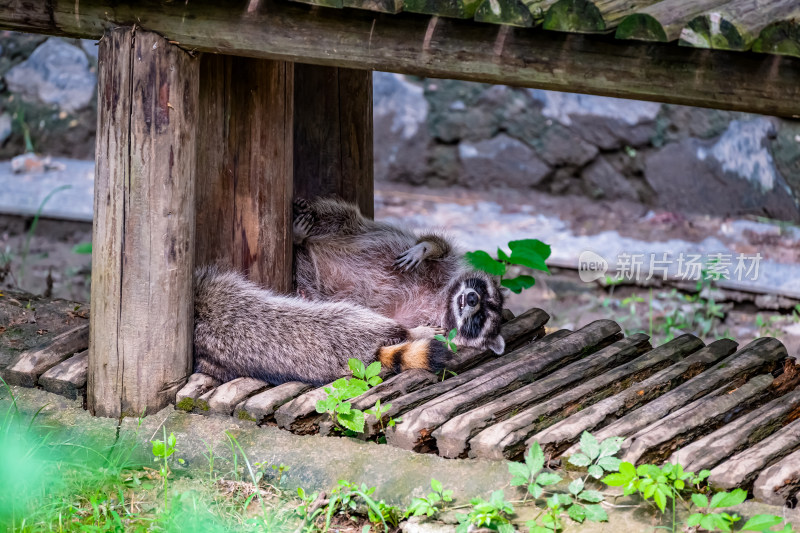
column 415, row 280
column 243, row 330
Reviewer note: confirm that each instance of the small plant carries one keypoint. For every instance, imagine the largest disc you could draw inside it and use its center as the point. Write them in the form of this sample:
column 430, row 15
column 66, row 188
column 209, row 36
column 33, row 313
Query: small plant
column 346, row 495
column 162, row 451
column 528, row 473
column 711, row 521
column 530, row 253
column 492, row 514
column 429, row 505
column 379, row 410
column 335, row 403
column 448, row 341
column 597, row 457
column 765, row 522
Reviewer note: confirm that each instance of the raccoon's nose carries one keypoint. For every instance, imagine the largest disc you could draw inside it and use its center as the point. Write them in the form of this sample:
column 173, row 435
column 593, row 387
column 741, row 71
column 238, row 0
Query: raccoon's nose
column 472, row 299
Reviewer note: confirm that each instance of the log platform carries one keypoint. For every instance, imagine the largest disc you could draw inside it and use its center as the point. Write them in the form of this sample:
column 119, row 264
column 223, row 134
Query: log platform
column 733, row 410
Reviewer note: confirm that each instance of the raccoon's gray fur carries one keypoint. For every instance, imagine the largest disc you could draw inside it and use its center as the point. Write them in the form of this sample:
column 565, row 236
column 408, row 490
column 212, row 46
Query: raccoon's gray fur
column 416, row 280
column 242, row 329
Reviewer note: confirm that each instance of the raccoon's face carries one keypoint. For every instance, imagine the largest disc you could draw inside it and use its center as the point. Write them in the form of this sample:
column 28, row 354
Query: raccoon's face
column 476, row 306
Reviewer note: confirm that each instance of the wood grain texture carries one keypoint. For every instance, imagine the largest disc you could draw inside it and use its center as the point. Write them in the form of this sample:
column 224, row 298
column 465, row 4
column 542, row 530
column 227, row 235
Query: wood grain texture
column 263, row 405
column 227, row 396
column 333, row 134
column 244, row 168
column 67, row 378
column 558, row 437
column 446, row 48
column 197, row 385
column 142, row 311
column 452, row 436
column 506, row 439
column 777, row 484
column 26, row 368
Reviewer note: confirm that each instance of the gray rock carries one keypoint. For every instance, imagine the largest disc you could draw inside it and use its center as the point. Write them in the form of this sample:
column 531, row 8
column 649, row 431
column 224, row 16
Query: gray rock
column 501, row 160
column 55, row 73
column 604, row 181
column 561, row 146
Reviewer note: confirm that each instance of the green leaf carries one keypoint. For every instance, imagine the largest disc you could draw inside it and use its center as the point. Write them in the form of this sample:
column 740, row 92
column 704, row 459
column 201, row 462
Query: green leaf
column 480, row 260
column 660, row 498
column 609, row 464
column 436, row 485
column 518, row 284
column 158, row 448
column 374, row 381
column 357, row 367
column 580, row 459
column 595, row 471
column 520, row 474
column 547, row 478
column 535, row 490
column 373, row 370
column 82, row 248
column 505, row 528
column 694, row 520
column 529, row 259
column 502, row 255
column 627, row 469
column 534, row 245
column 591, row 496
column 343, row 408
column 589, row 445
column 440, row 338
column 354, row 420
column 595, row 513
column 610, row 446
column 452, row 334
column 728, row 499
column 340, row 383
column 575, row 487
column 577, row 513
column 616, row 480
column 762, row 522
column 700, row 500
column 534, row 458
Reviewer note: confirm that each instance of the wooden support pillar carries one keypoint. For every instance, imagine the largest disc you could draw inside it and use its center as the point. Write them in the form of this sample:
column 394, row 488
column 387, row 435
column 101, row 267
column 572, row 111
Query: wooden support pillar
column 244, row 168
column 333, row 134
column 144, row 222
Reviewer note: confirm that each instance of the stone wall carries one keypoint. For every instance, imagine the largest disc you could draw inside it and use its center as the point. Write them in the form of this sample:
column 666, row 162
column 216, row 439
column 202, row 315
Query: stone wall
column 441, row 132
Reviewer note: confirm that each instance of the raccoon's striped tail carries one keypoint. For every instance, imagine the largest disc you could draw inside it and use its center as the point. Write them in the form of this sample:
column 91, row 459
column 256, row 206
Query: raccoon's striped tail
column 428, row 354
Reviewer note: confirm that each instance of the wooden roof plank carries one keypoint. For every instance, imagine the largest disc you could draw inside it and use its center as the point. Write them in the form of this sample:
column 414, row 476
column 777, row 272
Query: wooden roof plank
column 590, row 16
column 663, row 21
column 737, row 24
column 458, row 9
column 337, row 4
column 781, row 38
column 381, row 6
column 508, row 12
column 455, row 49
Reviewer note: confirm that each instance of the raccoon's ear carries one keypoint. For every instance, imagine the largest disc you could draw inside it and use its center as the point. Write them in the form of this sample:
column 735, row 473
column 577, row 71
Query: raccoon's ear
column 497, row 345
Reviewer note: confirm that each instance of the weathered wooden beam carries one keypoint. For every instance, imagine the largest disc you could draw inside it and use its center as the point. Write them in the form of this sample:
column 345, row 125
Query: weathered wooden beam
column 263, row 405
column 556, row 438
column 739, row 434
column 383, row 6
column 300, row 414
column 654, row 443
column 197, row 385
column 590, row 16
column 140, row 343
column 244, row 168
column 417, row 398
column 444, row 48
column 67, row 378
column 227, row 396
column 333, row 134
column 762, row 355
column 29, row 365
column 452, row 436
column 780, row 482
column 743, row 468
column 664, row 20
column 507, row 438
column 736, row 24
column 419, row 423
column 781, row 38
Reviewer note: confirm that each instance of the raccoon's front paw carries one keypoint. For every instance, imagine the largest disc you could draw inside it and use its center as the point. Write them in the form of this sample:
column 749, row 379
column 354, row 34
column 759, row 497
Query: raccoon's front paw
column 424, row 332
column 411, row 258
column 301, row 207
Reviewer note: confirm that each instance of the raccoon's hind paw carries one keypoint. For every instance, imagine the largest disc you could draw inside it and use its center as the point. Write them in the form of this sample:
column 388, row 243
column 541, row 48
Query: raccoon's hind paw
column 411, row 258
column 302, row 227
column 301, row 207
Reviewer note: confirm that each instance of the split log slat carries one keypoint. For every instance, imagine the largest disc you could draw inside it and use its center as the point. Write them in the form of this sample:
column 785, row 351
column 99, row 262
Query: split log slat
column 227, row 396
column 777, row 484
column 26, row 368
column 197, row 385
column 458, row 9
column 590, row 16
column 410, row 401
column 454, row 49
column 780, row 38
column 201, row 403
column 656, row 442
column 507, row 438
column 516, row 332
column 452, row 436
column 663, row 21
column 743, row 468
column 736, row 24
column 507, row 12
column 262, row 406
column 421, row 421
column 708, row 452
column 760, row 356
column 140, row 346
column 67, row 378
column 382, row 6
column 556, row 438
column 300, row 415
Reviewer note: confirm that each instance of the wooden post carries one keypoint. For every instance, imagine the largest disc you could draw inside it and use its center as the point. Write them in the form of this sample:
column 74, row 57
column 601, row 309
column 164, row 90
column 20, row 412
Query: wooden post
column 141, row 320
column 333, row 134
column 244, row 168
